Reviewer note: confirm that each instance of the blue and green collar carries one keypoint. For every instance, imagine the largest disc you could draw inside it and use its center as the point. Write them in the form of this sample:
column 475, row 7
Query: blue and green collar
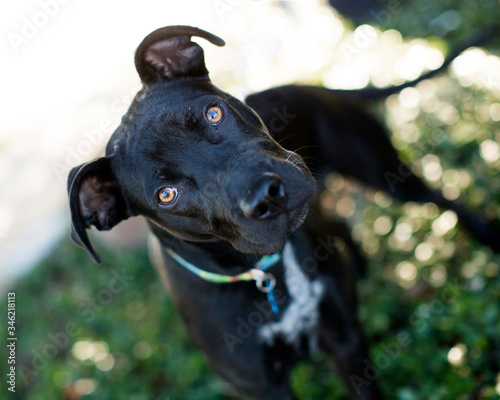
column 264, row 281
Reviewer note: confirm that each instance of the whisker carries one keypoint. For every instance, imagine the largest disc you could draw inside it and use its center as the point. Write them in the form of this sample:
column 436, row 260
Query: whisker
column 305, row 147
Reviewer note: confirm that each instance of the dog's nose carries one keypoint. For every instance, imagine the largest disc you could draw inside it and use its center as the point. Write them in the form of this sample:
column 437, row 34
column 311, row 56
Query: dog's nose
column 265, row 199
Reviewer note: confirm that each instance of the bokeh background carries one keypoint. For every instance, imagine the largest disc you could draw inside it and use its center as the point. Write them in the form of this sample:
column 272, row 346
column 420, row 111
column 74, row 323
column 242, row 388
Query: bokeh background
column 109, row 331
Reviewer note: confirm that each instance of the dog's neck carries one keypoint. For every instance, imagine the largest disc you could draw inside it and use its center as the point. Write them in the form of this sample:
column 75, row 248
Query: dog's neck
column 225, row 258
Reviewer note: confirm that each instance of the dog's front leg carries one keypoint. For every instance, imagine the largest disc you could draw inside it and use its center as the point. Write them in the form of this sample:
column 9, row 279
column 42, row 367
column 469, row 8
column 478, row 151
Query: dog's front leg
column 342, row 337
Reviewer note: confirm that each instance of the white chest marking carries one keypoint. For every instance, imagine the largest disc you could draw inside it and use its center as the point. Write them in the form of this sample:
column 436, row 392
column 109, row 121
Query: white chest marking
column 301, row 316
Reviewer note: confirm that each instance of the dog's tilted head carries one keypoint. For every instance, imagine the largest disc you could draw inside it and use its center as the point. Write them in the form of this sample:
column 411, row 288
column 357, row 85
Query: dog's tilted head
column 192, row 159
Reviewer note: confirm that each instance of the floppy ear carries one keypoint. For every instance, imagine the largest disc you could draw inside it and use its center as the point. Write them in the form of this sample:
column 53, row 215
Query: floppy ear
column 168, row 53
column 94, row 199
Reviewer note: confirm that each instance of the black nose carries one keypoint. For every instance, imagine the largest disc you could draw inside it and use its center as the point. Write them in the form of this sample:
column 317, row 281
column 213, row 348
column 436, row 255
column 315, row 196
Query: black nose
column 265, row 199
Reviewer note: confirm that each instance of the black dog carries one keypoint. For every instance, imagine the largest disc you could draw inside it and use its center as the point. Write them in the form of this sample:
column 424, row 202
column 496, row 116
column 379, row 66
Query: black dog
column 220, row 193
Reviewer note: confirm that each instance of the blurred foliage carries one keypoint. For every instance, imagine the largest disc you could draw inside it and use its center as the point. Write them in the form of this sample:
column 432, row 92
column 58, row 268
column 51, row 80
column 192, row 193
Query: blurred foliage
column 454, row 20
column 134, row 346
column 110, row 332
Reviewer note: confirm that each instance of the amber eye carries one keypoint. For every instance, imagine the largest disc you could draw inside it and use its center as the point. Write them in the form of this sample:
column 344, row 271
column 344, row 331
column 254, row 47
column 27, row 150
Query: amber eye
column 167, row 195
column 214, row 115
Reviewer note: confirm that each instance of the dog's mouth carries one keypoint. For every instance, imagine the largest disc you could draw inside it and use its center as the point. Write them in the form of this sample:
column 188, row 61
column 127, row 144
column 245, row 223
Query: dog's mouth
column 270, row 237
column 298, row 217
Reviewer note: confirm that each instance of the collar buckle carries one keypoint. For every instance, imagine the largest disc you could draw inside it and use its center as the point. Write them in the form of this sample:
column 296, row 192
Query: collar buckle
column 264, row 281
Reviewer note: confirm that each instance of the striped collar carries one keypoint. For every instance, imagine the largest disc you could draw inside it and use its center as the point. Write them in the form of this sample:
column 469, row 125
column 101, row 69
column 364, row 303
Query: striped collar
column 264, row 281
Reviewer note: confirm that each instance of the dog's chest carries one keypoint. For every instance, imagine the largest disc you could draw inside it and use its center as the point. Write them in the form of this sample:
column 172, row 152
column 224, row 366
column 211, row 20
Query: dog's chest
column 300, row 319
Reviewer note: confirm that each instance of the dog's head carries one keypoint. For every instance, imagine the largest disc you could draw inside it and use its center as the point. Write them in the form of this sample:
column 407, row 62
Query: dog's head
column 192, row 159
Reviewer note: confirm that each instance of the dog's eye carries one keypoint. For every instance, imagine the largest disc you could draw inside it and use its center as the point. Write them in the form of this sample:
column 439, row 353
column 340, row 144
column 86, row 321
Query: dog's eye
column 167, row 195
column 214, row 115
